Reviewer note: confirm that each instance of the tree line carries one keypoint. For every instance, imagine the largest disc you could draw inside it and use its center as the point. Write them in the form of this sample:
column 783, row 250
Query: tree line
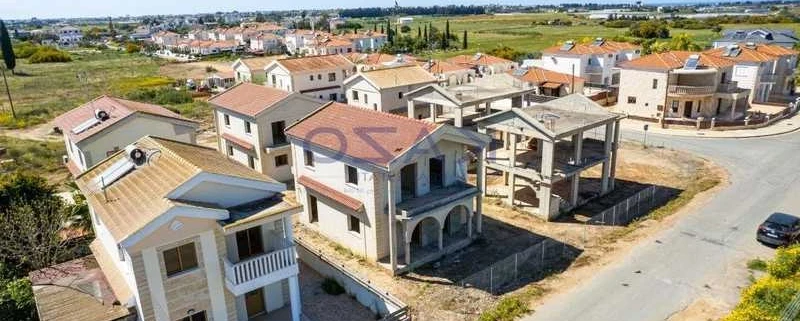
column 434, row 10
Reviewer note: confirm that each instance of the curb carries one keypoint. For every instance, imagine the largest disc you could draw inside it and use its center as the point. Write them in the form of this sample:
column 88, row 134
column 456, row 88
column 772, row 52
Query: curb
column 682, row 133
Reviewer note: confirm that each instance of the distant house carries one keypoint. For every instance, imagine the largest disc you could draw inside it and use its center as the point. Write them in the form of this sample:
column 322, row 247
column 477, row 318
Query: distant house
column 484, row 64
column 550, row 83
column 367, row 41
column 266, row 43
column 316, row 76
column 763, row 68
column 784, row 37
column 371, row 61
column 595, row 62
column 405, row 20
column 103, row 126
column 245, row 69
column 448, row 73
column 384, row 89
column 69, row 36
column 250, row 120
column 219, row 81
column 326, row 45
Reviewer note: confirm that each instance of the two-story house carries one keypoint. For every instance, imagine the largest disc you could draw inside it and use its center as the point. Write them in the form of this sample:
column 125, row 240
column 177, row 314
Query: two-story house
column 100, row 127
column 782, row 37
column 390, row 188
column 316, row 76
column 762, row 68
column 484, row 64
column 594, row 62
column 183, row 233
column 367, row 41
column 448, row 73
column 384, row 89
column 250, row 122
column 548, row 82
column 681, row 84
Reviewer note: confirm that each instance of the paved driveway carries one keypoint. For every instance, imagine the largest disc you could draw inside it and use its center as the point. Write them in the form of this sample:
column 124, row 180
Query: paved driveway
column 702, row 255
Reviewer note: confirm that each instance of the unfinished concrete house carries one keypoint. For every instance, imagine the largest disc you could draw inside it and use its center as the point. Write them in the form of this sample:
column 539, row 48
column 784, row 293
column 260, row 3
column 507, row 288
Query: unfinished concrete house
column 461, row 104
column 386, row 187
column 543, row 149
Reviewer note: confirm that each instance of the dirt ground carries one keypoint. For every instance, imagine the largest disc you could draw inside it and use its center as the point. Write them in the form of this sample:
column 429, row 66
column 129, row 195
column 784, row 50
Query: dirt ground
column 197, row 70
column 320, row 306
column 433, row 292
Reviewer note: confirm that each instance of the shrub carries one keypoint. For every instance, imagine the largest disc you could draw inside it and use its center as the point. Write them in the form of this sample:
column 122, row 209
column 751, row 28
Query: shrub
column 132, row 47
column 160, row 96
column 211, row 69
column 507, row 310
column 786, row 262
column 332, row 287
column 49, row 54
column 757, row 265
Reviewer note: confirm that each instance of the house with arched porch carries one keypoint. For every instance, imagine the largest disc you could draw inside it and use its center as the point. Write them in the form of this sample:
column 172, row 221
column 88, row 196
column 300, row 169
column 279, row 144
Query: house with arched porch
column 389, row 188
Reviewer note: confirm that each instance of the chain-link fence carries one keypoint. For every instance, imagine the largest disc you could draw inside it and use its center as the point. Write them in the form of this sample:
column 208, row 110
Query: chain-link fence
column 533, row 263
column 792, row 310
column 629, row 209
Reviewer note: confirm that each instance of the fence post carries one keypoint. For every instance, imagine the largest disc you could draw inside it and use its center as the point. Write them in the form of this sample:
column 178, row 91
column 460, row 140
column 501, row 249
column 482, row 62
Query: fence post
column 516, row 259
column 491, row 280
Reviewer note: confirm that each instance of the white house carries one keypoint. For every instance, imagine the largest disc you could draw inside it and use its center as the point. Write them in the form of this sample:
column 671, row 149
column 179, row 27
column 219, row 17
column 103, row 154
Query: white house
column 245, row 69
column 316, row 76
column 594, row 62
column 399, row 196
column 69, row 36
column 266, row 43
column 765, row 69
column 484, row 64
column 250, row 122
column 367, row 41
column 183, row 233
column 384, row 89
column 101, row 127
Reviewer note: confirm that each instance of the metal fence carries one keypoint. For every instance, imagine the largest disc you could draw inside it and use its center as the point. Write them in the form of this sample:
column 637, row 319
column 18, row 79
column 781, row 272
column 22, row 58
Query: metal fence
column 629, row 209
column 534, row 262
column 792, row 310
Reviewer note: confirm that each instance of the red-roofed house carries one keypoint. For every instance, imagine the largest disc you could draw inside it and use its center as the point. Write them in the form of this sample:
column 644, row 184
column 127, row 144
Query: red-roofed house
column 250, row 120
column 550, row 83
column 316, row 76
column 484, row 64
column 353, row 166
column 764, row 69
column 104, row 125
column 594, row 62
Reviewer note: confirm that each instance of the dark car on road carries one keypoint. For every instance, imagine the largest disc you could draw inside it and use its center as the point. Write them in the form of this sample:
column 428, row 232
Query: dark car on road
column 779, row 229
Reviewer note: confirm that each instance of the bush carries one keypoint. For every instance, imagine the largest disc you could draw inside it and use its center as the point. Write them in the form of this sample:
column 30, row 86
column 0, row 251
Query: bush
column 211, row 69
column 786, row 263
column 160, row 96
column 132, row 47
column 507, row 310
column 332, row 287
column 25, row 49
column 49, row 54
column 649, row 29
column 757, row 265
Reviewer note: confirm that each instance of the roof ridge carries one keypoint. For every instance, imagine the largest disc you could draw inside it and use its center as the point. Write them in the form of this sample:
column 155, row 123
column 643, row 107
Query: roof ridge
column 388, row 114
column 164, row 149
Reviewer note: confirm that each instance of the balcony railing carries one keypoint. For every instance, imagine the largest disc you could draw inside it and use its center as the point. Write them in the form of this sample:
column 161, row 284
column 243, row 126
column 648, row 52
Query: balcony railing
column 690, row 90
column 769, row 77
column 243, row 276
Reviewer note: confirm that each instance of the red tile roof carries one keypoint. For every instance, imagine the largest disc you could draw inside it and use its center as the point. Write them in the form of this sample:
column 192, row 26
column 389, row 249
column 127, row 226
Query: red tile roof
column 238, row 141
column 754, row 53
column 674, row 60
column 479, row 59
column 442, row 66
column 316, row 63
column 117, row 109
column 361, row 133
column 331, row 193
column 537, row 75
column 249, row 99
column 587, row 49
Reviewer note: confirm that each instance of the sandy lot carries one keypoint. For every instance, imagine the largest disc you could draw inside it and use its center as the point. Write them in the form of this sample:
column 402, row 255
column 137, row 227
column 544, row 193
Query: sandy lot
column 197, row 70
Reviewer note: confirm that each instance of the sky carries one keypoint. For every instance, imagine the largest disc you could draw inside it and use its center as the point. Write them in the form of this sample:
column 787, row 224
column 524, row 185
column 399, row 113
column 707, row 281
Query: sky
column 26, row 9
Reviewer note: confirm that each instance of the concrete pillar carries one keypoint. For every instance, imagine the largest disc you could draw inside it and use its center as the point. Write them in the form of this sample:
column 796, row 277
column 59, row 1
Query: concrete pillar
column 408, row 251
column 410, row 105
column 615, row 155
column 481, row 181
column 294, row 295
column 512, row 160
column 441, row 238
column 607, row 162
column 506, row 140
column 458, row 116
column 392, row 233
column 577, row 145
column 488, row 108
column 433, row 112
column 546, row 188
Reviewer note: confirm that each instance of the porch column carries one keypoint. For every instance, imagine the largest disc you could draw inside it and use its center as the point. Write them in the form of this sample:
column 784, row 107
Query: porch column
column 614, row 155
column 481, row 181
column 606, row 162
column 512, row 160
column 458, row 116
column 392, row 233
column 433, row 112
column 294, row 295
column 408, row 251
column 410, row 106
column 441, row 237
column 546, row 188
column 213, row 272
column 577, row 144
column 506, row 139
column 488, row 108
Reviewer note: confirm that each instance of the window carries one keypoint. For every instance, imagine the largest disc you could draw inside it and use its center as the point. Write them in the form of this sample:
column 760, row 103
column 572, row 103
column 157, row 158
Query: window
column 247, row 128
column 655, row 83
column 230, row 149
column 400, row 95
column 319, row 76
column 332, row 76
column 251, row 162
column 249, row 243
column 354, row 224
column 674, row 106
column 351, row 174
column 332, row 97
column 310, row 77
column 180, row 259
column 227, row 120
column 365, row 99
column 631, row 100
column 197, row 316
column 313, row 215
column 355, row 95
column 308, row 158
column 281, row 160
column 273, row 80
column 278, row 134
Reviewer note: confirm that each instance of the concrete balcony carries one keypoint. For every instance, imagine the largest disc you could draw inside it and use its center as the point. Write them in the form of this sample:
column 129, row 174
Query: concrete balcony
column 676, row 90
column 435, row 198
column 259, row 271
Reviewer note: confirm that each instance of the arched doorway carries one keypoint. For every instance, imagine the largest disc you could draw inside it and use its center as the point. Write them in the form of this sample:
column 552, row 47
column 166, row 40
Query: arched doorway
column 455, row 224
column 426, row 233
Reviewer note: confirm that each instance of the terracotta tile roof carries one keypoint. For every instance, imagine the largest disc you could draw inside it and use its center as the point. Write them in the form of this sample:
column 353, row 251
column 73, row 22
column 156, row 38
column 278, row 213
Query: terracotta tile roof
column 249, row 99
column 334, row 42
column 537, row 75
column 365, row 34
column 479, row 59
column 76, row 290
column 754, row 53
column 393, row 134
column 312, row 63
column 239, row 142
column 674, row 60
column 117, row 109
column 552, row 85
column 397, row 76
column 589, row 49
column 137, row 198
column 441, row 66
column 331, row 193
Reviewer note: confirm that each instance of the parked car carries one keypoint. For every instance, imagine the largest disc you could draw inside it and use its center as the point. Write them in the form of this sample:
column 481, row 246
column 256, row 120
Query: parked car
column 779, row 229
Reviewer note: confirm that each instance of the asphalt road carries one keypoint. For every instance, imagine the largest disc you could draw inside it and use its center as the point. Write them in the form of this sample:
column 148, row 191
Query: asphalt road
column 703, row 255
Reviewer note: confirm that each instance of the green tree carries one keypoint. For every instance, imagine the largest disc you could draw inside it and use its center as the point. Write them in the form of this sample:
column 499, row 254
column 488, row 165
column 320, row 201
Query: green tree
column 9, row 59
column 446, row 35
column 425, row 35
column 419, row 32
column 464, row 41
column 389, row 35
column 260, row 17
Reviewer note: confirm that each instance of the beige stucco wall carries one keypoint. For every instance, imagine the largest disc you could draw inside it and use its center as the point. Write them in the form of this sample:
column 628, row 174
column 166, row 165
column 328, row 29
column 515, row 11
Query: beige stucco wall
column 639, row 84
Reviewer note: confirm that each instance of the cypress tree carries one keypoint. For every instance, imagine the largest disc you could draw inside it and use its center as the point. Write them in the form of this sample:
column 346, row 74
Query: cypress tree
column 426, row 35
column 419, row 32
column 464, row 41
column 5, row 47
column 446, row 36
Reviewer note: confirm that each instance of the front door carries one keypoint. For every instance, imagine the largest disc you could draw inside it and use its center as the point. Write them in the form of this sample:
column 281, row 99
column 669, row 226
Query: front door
column 254, row 303
column 687, row 109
